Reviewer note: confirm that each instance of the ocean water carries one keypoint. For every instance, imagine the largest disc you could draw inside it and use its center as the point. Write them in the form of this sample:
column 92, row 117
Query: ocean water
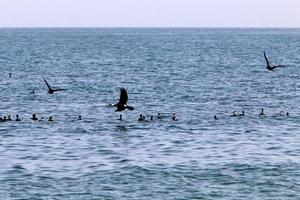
column 195, row 73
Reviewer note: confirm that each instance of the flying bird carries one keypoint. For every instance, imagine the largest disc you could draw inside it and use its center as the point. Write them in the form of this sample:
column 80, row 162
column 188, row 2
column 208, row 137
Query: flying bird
column 122, row 104
column 269, row 66
column 50, row 90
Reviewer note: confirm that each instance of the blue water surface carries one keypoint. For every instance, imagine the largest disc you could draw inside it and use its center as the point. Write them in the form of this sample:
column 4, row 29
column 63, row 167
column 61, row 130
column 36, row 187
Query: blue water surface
column 195, row 73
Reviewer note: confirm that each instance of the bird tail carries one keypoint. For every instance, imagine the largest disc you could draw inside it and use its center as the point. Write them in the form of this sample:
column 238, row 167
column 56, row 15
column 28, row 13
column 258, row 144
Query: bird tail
column 130, row 107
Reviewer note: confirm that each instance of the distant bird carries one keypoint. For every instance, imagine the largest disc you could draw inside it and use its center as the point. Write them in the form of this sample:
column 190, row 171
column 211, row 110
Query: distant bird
column 50, row 90
column 159, row 116
column 120, row 118
column 215, row 117
column 9, row 118
column 9, row 75
column 50, row 119
column 79, row 117
column 17, row 118
column 269, row 66
column 233, row 114
column 141, row 118
column 122, row 104
column 34, row 118
column 281, row 113
column 262, row 112
column 242, row 114
column 32, row 92
column 174, row 117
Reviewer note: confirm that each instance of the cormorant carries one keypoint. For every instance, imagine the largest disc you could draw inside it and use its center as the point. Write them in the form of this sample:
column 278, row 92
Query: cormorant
column 269, row 66
column 50, row 90
column 122, row 104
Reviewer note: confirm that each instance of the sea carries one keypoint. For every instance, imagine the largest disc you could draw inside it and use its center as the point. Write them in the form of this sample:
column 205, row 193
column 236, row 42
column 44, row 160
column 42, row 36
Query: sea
column 195, row 73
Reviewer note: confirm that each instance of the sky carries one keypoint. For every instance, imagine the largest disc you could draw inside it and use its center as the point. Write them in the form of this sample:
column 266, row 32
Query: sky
column 149, row 13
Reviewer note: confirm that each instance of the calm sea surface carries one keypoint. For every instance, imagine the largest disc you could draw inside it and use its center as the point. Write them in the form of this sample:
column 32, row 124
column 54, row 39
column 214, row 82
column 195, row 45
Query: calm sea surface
column 195, row 73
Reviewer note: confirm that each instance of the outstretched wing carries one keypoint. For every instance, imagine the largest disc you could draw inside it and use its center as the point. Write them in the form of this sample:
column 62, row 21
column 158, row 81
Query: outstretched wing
column 278, row 66
column 47, row 84
column 123, row 96
column 55, row 90
column 266, row 59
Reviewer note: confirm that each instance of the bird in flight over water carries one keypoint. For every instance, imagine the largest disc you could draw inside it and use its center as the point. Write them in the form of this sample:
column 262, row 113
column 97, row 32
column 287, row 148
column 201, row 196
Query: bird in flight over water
column 50, row 90
column 269, row 66
column 122, row 104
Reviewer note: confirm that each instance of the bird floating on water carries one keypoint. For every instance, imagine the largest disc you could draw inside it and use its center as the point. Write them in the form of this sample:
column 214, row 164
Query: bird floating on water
column 34, row 118
column 242, row 114
column 159, row 116
column 233, row 114
column 262, row 112
column 174, row 117
column 17, row 118
column 141, row 118
column 120, row 118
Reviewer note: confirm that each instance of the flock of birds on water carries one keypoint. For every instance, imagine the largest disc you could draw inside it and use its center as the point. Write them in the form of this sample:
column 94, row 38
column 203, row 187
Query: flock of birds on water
column 122, row 104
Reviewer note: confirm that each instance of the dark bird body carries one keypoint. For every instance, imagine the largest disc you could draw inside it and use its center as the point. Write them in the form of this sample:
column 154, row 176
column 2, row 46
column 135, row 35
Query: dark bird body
column 122, row 104
column 269, row 66
column 50, row 90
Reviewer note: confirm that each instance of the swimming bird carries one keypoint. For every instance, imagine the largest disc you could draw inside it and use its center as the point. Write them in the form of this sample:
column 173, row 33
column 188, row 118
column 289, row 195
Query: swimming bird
column 159, row 116
column 262, row 112
column 122, row 104
column 50, row 119
column 174, row 117
column 120, row 118
column 141, row 118
column 79, row 117
column 50, row 90
column 269, row 66
column 242, row 114
column 9, row 118
column 233, row 114
column 34, row 118
column 3, row 119
column 215, row 117
column 17, row 118
column 32, row 92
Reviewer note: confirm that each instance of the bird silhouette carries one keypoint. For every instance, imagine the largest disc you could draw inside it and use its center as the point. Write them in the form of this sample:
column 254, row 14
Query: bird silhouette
column 122, row 104
column 269, row 66
column 50, row 90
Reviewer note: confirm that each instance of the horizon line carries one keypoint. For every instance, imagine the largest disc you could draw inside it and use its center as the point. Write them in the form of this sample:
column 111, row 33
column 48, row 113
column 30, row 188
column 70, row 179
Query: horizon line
column 178, row 27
